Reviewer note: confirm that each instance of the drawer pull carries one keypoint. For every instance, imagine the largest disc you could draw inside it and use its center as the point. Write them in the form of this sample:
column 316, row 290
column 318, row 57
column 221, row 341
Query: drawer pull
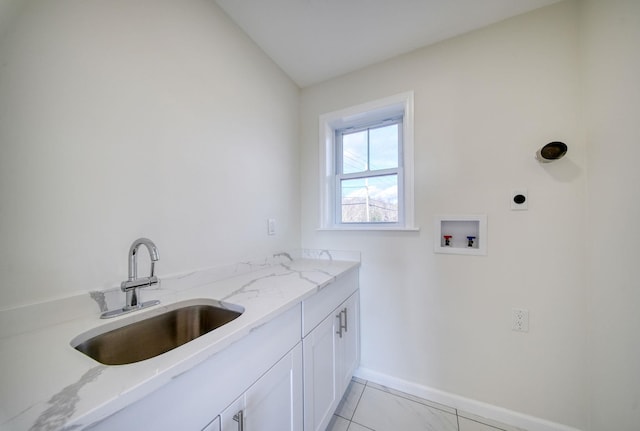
column 239, row 417
column 342, row 326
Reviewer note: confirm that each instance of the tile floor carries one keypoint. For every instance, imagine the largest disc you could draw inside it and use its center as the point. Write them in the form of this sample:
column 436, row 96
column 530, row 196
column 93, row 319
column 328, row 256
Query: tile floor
column 367, row 406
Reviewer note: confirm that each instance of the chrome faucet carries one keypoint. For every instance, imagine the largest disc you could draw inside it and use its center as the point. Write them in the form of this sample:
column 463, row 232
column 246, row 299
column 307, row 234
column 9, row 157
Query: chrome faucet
column 131, row 286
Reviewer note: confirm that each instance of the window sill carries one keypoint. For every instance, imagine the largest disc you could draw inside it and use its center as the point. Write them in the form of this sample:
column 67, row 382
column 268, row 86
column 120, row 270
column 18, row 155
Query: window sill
column 369, row 228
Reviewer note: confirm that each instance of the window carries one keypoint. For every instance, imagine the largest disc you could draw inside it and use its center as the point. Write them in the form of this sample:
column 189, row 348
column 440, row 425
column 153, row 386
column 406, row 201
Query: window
column 367, row 166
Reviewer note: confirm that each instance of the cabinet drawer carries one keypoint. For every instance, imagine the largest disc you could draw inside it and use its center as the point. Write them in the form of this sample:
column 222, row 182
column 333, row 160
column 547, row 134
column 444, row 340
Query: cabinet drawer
column 317, row 307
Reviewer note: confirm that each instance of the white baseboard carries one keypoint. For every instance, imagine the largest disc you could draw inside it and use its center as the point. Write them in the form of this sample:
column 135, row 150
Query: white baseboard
column 468, row 405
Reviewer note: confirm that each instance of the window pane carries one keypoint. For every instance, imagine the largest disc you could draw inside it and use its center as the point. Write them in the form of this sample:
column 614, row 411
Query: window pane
column 383, row 147
column 354, row 152
column 370, row 200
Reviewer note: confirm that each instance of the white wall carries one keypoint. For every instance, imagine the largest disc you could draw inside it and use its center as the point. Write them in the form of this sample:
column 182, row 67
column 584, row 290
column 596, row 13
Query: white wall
column 8, row 11
column 121, row 119
column 611, row 35
column 485, row 102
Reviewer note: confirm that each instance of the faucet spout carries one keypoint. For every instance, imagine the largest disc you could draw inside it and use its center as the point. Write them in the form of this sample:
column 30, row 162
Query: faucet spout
column 133, row 256
column 133, row 284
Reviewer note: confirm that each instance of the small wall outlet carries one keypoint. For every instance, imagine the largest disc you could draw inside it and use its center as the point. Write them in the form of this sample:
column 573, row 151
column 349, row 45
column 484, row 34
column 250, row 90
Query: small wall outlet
column 271, row 226
column 519, row 320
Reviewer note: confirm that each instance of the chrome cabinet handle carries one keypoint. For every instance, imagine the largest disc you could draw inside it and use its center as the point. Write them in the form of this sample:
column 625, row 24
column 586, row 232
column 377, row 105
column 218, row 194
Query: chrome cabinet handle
column 239, row 417
column 342, row 326
column 345, row 320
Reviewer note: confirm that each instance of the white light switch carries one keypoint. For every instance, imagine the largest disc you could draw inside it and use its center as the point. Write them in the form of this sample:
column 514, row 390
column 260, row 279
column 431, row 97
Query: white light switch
column 271, row 226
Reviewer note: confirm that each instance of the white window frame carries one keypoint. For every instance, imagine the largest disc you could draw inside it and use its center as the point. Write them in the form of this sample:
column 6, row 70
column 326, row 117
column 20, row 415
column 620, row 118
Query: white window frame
column 355, row 116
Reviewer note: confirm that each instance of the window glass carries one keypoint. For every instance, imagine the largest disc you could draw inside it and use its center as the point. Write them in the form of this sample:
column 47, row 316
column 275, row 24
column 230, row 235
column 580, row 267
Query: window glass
column 370, row 199
column 354, row 152
column 383, row 147
column 368, row 180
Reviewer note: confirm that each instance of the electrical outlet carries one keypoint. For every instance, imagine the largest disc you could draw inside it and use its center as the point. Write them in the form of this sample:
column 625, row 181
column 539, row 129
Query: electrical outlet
column 519, row 320
column 271, row 226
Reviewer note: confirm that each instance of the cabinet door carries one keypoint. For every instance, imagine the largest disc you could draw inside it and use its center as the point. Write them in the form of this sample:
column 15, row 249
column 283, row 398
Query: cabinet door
column 320, row 392
column 273, row 403
column 349, row 344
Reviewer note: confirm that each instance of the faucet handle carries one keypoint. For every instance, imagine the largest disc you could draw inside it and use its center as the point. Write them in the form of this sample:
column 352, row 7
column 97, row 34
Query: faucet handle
column 138, row 283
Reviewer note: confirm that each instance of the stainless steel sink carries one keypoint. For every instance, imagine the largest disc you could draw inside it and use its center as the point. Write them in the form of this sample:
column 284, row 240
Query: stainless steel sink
column 135, row 339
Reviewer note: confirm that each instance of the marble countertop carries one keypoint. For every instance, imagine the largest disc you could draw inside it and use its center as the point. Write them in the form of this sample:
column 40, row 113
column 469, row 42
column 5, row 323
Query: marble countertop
column 45, row 384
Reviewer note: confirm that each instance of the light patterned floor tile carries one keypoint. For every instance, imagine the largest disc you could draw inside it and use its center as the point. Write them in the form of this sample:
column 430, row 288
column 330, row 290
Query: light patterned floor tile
column 413, row 398
column 348, row 404
column 338, row 424
column 382, row 411
column 469, row 425
column 494, row 424
column 357, row 427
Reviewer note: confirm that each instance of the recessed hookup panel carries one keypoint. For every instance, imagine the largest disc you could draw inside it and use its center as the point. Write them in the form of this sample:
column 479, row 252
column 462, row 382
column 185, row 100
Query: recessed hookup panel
column 461, row 234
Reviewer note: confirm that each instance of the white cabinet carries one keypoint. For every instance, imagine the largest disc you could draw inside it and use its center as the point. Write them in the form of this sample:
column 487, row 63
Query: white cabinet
column 273, row 403
column 331, row 355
